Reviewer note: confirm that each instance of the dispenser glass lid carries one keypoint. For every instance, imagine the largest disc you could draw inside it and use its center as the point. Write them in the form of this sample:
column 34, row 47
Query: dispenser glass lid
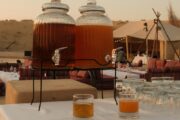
column 91, row 6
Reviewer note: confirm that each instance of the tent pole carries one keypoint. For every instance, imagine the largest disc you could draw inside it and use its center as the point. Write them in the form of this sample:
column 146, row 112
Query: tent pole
column 170, row 40
column 127, row 48
column 158, row 15
column 165, row 47
column 147, row 47
column 155, row 44
column 147, row 38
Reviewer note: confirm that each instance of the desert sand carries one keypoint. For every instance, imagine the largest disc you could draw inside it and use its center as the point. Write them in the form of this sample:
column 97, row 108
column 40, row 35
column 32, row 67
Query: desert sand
column 16, row 35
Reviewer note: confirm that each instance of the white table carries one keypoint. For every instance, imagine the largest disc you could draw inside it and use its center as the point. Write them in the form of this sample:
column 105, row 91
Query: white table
column 104, row 110
column 121, row 74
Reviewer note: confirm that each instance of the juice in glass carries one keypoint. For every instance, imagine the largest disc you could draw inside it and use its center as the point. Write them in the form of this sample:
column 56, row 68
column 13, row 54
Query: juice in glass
column 83, row 106
column 83, row 110
column 128, row 106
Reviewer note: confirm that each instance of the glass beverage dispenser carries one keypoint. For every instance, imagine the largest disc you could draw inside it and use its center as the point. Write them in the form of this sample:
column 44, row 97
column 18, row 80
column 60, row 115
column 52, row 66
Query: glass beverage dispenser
column 54, row 31
column 94, row 36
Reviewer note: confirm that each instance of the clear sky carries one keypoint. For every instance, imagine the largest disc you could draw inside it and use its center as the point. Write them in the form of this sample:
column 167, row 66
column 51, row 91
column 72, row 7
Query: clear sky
column 115, row 9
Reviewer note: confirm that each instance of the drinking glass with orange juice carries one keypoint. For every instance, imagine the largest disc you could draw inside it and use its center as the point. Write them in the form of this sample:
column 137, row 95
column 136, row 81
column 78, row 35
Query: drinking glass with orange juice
column 83, row 106
column 128, row 104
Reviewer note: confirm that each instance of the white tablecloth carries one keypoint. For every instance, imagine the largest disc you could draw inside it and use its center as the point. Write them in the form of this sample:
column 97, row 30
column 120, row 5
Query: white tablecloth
column 104, row 110
column 121, row 74
column 7, row 76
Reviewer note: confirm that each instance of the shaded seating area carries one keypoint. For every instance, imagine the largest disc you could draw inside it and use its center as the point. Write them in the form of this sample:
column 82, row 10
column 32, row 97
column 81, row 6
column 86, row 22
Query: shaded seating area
column 80, row 75
column 138, row 61
column 92, row 77
column 8, row 66
column 27, row 74
column 138, row 64
column 163, row 68
column 95, row 78
column 2, row 88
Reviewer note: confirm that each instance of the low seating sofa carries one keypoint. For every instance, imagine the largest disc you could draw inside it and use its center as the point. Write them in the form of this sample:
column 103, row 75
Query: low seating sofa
column 162, row 68
column 94, row 77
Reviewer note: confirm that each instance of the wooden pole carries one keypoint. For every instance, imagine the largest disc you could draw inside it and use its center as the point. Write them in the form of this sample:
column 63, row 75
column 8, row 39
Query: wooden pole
column 165, row 48
column 147, row 47
column 147, row 38
column 127, row 48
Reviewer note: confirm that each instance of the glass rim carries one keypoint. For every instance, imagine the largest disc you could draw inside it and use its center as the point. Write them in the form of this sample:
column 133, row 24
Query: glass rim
column 129, row 99
column 83, row 95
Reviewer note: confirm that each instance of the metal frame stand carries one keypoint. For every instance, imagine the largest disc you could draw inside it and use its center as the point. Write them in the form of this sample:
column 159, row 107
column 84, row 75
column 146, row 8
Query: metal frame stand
column 33, row 88
column 115, row 81
column 101, row 83
column 61, row 68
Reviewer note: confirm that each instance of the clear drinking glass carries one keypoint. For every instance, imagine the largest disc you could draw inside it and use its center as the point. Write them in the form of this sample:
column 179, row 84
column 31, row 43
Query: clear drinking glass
column 83, row 106
column 128, row 105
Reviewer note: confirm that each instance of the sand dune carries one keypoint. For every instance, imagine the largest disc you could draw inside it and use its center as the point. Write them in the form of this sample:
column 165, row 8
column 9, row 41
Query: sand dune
column 16, row 35
column 119, row 23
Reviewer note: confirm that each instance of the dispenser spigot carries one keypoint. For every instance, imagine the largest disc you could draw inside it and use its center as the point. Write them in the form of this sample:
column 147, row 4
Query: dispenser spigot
column 114, row 54
column 108, row 58
column 57, row 55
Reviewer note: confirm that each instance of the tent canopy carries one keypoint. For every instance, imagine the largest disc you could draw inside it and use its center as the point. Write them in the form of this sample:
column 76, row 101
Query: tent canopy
column 137, row 29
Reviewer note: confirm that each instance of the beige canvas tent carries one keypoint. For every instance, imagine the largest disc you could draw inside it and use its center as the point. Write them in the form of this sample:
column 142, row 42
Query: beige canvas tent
column 133, row 34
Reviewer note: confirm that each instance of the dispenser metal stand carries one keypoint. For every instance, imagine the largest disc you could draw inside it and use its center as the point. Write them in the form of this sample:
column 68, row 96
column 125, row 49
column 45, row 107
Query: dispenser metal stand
column 102, row 67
